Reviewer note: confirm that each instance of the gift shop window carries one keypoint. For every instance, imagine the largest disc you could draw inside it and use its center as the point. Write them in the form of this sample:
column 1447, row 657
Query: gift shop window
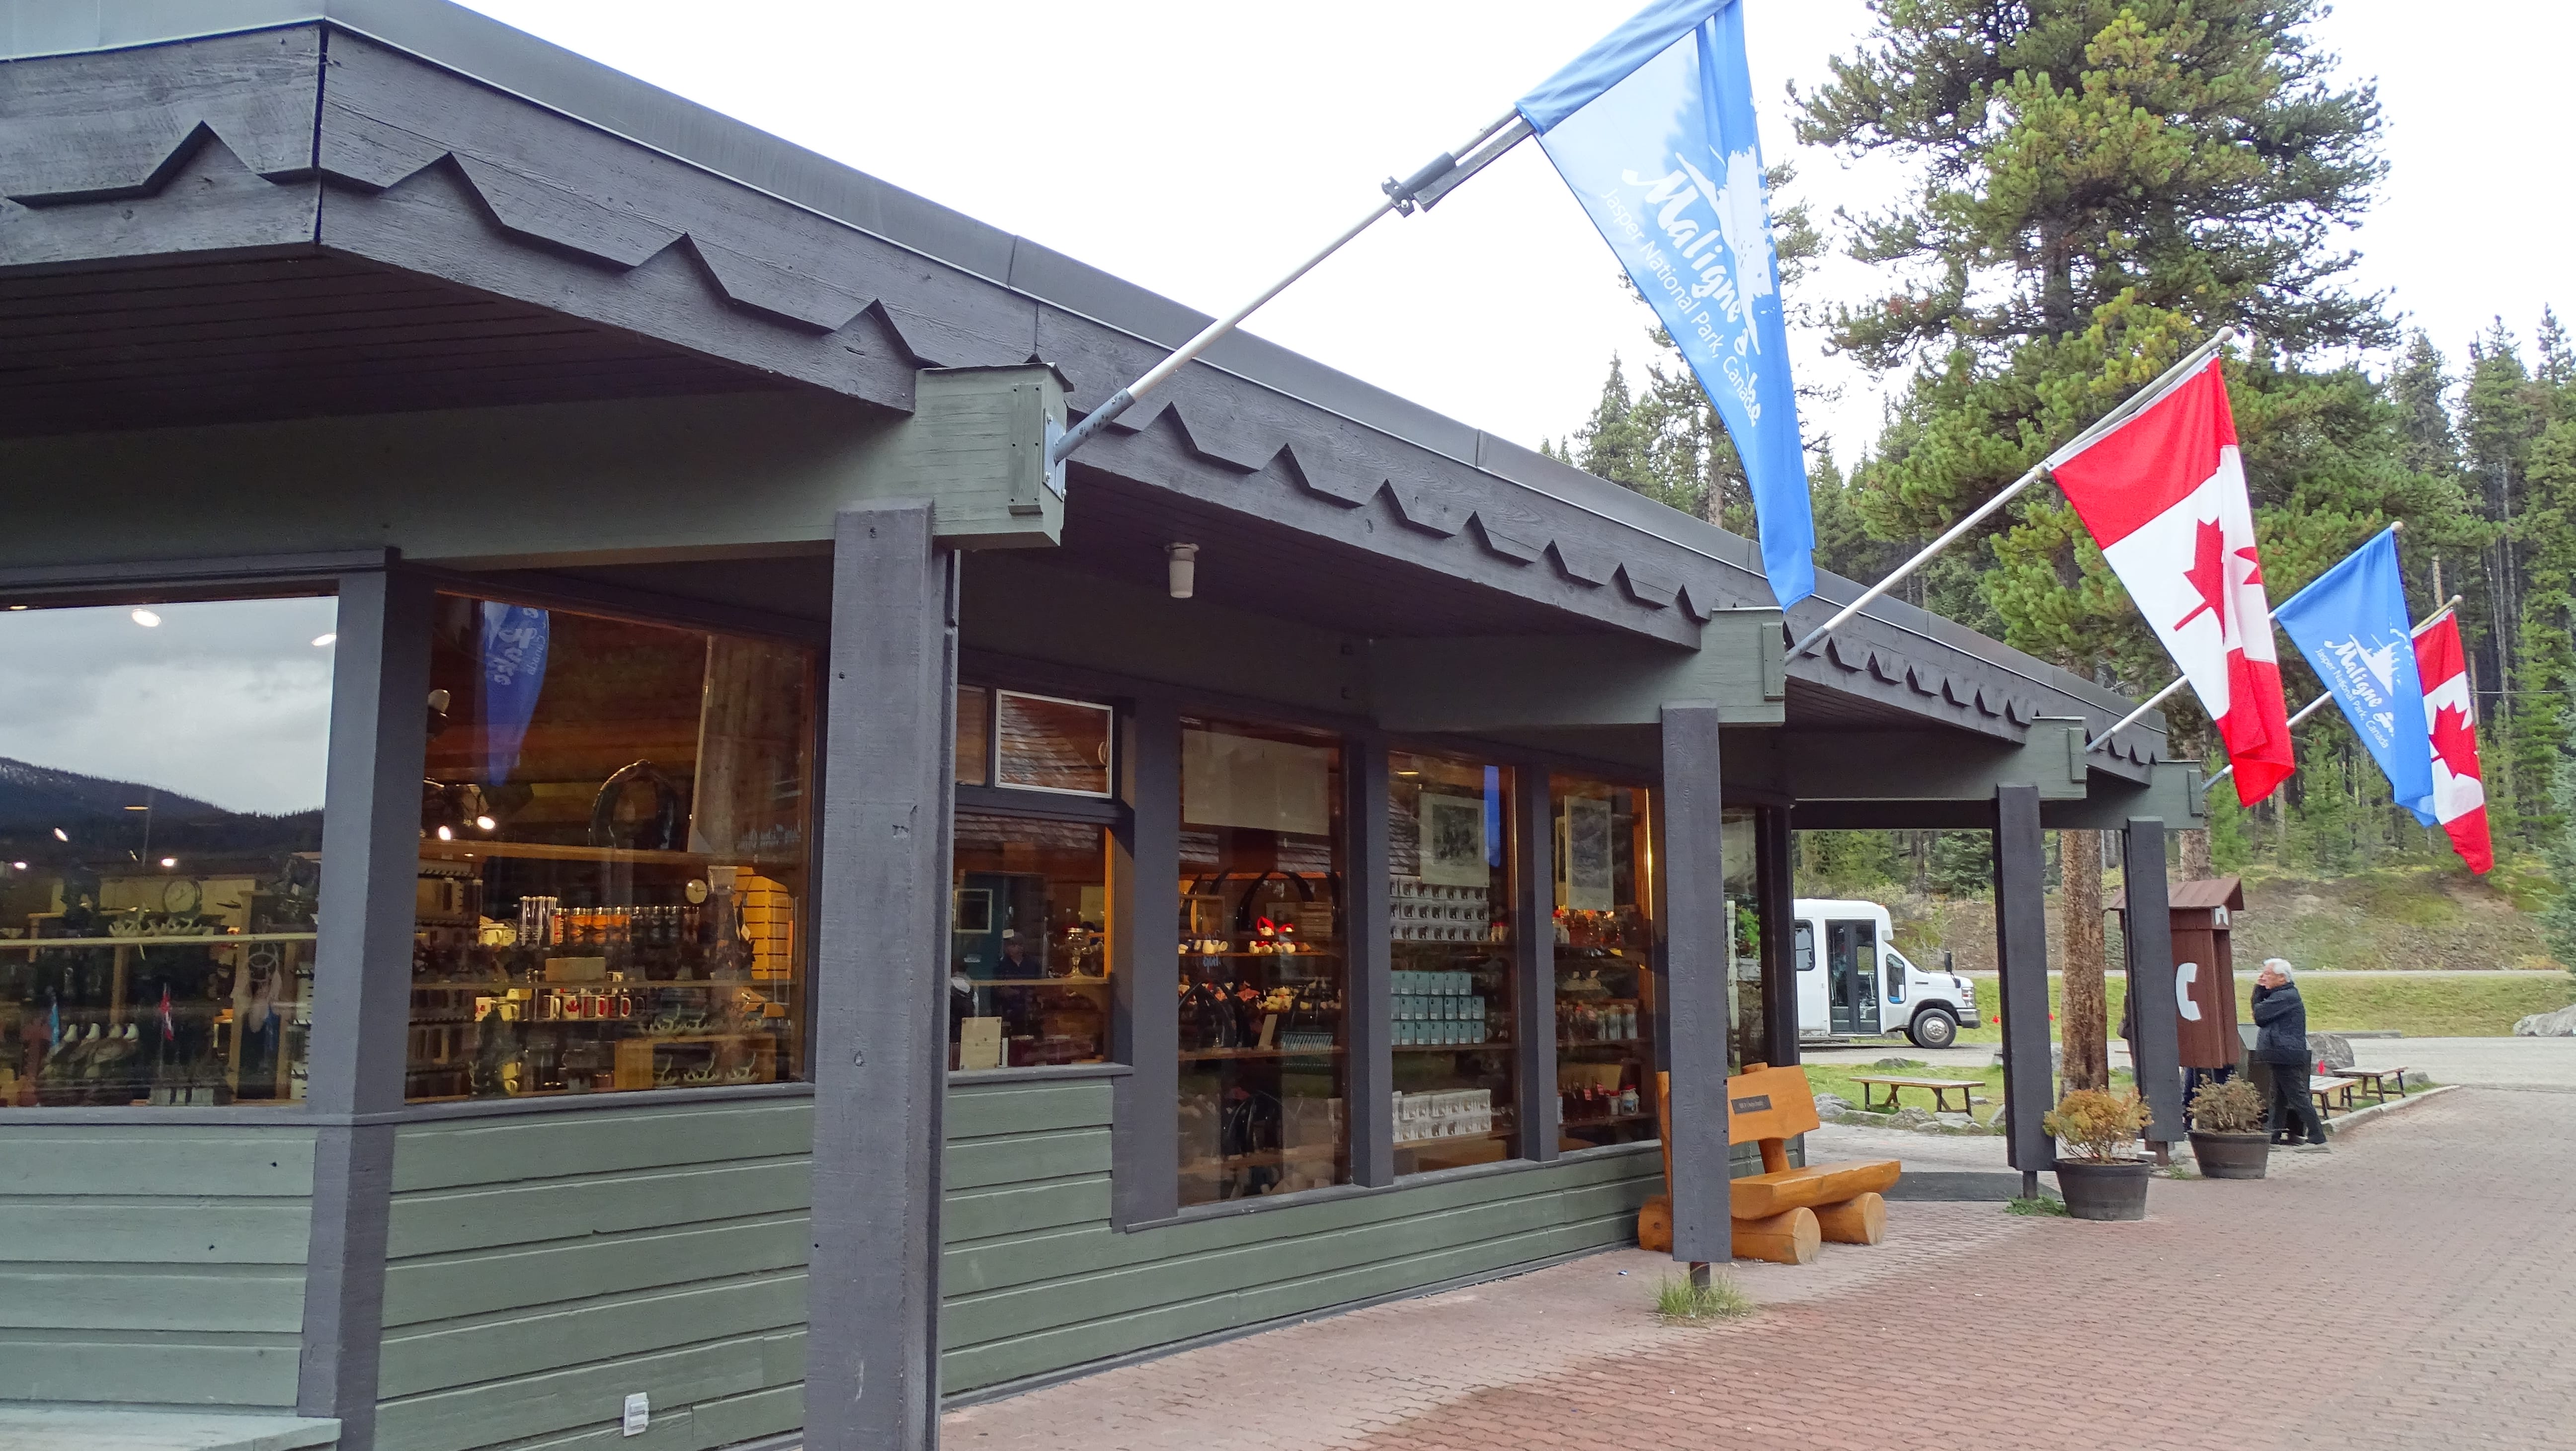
column 613, row 850
column 1028, row 967
column 1263, row 967
column 1449, row 924
column 161, row 778
column 1605, row 982
column 1748, row 1031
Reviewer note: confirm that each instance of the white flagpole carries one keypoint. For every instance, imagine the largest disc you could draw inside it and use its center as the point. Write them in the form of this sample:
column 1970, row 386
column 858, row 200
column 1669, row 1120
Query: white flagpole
column 1420, row 190
column 2318, row 704
column 2133, row 717
column 2138, row 402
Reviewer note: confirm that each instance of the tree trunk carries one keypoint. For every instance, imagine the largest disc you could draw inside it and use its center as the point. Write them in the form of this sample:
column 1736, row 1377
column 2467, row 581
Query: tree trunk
column 2195, row 856
column 2082, row 1020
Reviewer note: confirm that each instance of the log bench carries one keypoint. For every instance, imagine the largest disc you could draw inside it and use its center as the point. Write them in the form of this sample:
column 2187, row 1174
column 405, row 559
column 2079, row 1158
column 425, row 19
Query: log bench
column 1783, row 1213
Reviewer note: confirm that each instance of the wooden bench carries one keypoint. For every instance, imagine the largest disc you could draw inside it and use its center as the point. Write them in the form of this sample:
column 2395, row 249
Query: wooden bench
column 1783, row 1213
column 2327, row 1092
column 1939, row 1088
column 2374, row 1081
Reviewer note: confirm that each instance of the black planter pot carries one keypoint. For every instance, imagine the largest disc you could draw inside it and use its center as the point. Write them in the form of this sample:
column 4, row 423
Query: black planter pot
column 2231, row 1156
column 2104, row 1191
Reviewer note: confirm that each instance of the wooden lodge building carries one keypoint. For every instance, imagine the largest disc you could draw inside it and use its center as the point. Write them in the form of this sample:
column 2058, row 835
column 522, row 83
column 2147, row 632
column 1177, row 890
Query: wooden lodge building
column 580, row 817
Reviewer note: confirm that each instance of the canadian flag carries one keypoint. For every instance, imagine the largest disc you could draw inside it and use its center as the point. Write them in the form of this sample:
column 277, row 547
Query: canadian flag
column 2164, row 494
column 2450, row 719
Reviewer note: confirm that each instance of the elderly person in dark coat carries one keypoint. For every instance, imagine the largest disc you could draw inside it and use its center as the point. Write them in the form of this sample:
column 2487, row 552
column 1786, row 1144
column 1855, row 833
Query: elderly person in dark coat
column 2281, row 1040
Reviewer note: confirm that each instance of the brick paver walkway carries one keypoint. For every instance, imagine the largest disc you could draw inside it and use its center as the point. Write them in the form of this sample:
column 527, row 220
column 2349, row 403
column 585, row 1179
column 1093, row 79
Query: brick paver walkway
column 2414, row 1289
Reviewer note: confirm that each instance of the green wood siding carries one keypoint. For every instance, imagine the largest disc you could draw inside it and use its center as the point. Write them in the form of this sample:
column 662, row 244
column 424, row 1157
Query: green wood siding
column 152, row 1265
column 1036, row 1281
column 542, row 1267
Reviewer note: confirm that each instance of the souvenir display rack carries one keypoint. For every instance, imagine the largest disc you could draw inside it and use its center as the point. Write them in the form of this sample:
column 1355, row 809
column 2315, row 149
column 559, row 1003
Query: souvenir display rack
column 543, row 968
column 1452, row 1028
column 1261, row 1037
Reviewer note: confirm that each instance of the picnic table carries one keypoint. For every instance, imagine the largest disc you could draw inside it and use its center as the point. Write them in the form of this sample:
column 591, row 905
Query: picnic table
column 1939, row 1088
column 2375, row 1081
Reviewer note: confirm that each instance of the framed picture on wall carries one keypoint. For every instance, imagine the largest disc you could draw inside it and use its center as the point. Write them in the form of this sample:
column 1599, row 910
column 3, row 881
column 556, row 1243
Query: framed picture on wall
column 1588, row 886
column 1453, row 841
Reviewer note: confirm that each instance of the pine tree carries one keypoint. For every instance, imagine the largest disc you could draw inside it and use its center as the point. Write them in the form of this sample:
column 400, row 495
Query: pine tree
column 2103, row 185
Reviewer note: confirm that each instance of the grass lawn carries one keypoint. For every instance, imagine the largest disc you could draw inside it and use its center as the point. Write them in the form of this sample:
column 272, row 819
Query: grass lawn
column 1836, row 1078
column 2419, row 1007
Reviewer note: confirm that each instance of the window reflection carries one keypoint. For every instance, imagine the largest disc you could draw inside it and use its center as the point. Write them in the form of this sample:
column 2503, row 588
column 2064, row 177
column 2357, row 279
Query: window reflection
column 1449, row 924
column 1262, row 962
column 612, row 856
column 1605, row 984
column 161, row 778
column 1028, row 960
column 1749, row 1034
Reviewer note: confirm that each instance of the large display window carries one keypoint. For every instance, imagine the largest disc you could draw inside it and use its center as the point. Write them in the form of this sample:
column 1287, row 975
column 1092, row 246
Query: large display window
column 1263, row 1045
column 613, row 850
column 1028, row 970
column 1605, row 983
column 1748, row 1031
column 1454, row 1011
column 161, row 778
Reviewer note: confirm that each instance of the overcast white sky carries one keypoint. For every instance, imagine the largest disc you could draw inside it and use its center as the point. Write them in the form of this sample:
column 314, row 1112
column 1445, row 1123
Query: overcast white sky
column 1199, row 149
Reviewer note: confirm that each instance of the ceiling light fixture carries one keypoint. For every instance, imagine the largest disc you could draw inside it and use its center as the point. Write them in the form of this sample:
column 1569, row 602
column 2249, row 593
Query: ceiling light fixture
column 485, row 823
column 61, row 835
column 147, row 619
column 446, row 835
column 1184, row 562
column 169, row 861
column 325, row 639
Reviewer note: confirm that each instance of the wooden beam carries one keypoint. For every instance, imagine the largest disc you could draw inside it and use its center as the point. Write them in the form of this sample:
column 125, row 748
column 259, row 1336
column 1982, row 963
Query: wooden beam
column 1544, row 682
column 2021, row 959
column 880, row 988
column 1696, row 937
column 1534, row 958
column 1776, row 885
column 1368, row 957
column 2148, row 933
column 362, row 983
column 1145, row 908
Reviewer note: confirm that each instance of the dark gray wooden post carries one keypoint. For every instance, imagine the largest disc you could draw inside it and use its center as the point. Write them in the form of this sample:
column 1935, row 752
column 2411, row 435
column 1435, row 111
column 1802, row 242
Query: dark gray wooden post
column 1370, row 962
column 2149, row 934
column 1534, row 955
column 1696, row 981
column 1145, row 905
column 2021, row 961
column 362, row 983
column 1777, row 887
column 880, row 986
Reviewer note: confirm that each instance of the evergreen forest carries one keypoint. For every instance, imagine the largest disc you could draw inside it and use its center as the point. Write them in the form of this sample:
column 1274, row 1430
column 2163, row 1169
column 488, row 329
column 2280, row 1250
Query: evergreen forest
column 2098, row 186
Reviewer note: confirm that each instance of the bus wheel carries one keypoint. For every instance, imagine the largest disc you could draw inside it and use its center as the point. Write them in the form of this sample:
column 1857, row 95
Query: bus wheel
column 1933, row 1028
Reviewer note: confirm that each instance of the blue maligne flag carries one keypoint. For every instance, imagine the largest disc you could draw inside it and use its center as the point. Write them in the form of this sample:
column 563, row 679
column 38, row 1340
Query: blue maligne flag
column 2352, row 626
column 1653, row 129
column 515, row 638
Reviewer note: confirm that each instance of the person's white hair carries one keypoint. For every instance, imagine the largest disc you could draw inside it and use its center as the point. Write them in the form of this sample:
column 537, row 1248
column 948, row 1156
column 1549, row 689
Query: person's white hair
column 2282, row 966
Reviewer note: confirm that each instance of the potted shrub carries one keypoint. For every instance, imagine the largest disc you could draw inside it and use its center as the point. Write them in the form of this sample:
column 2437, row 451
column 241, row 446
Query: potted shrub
column 2227, row 1134
column 2099, row 1172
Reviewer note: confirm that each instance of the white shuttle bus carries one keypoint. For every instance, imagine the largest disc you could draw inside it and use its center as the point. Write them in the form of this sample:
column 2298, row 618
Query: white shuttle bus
column 1853, row 983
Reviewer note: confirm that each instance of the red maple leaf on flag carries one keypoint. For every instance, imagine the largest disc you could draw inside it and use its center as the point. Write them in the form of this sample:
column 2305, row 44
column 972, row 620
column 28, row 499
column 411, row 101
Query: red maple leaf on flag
column 2455, row 741
column 2208, row 573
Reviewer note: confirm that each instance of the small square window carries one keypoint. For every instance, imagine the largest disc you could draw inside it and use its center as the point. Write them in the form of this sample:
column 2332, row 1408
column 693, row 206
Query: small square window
column 1046, row 744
